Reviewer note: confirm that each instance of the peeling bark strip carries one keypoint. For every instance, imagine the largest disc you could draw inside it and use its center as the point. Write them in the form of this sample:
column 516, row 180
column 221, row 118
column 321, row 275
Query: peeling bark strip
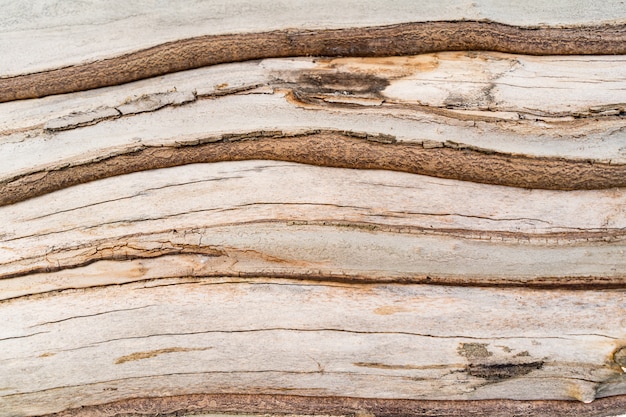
column 291, row 404
column 401, row 39
column 332, row 149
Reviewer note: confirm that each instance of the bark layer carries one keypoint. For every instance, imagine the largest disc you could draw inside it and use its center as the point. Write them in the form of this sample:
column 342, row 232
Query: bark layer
column 395, row 40
column 363, row 231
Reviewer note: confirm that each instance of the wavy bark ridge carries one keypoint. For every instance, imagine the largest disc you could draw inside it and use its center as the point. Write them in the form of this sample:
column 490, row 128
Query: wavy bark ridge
column 332, row 149
column 262, row 404
column 448, row 288
column 401, row 39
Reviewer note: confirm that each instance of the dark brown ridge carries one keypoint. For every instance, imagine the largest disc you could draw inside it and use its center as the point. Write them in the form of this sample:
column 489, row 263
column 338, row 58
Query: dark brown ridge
column 292, row 404
column 401, row 39
column 333, row 149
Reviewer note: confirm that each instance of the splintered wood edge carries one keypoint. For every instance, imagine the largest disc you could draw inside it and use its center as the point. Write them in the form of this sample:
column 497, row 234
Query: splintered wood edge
column 332, row 149
column 399, row 39
column 289, row 404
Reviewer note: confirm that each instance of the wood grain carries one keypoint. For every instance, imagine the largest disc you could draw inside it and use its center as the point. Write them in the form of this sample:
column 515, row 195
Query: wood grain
column 65, row 32
column 507, row 140
column 402, row 39
column 245, row 219
column 309, row 339
column 358, row 209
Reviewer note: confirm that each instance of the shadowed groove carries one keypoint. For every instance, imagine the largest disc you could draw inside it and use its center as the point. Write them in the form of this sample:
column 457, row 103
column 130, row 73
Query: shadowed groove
column 400, row 39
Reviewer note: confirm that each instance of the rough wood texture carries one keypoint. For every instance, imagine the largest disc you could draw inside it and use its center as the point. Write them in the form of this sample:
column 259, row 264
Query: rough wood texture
column 39, row 36
column 310, row 338
column 491, row 125
column 402, row 39
column 378, row 233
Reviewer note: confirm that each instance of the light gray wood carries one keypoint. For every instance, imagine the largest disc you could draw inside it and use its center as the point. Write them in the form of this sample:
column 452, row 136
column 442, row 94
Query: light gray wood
column 246, row 217
column 40, row 36
column 175, row 336
column 209, row 102
column 435, row 233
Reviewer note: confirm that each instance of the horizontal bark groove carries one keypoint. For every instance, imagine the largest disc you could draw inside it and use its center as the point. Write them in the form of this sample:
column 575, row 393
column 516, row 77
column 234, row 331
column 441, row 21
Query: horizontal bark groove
column 332, row 149
column 283, row 404
column 401, row 39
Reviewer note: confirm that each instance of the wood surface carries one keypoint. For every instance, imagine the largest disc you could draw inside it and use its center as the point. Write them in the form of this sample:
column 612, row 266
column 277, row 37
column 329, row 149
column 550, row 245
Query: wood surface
column 314, row 214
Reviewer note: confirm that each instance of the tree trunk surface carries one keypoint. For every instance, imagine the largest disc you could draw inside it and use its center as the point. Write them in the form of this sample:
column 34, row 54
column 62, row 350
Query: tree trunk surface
column 359, row 208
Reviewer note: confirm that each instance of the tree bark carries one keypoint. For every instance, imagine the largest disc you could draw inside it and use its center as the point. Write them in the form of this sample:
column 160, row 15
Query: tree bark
column 426, row 217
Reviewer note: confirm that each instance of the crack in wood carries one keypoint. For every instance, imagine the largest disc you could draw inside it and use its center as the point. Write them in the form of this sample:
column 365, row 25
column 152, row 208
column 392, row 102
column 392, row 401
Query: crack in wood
column 501, row 371
column 574, row 283
column 326, row 89
column 271, row 334
column 90, row 315
column 22, row 336
column 317, row 371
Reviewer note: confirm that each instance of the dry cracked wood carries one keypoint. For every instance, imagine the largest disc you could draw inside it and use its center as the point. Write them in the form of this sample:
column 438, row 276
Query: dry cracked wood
column 283, row 219
column 402, row 39
column 58, row 33
column 349, row 234
column 217, row 32
column 308, row 339
column 491, row 125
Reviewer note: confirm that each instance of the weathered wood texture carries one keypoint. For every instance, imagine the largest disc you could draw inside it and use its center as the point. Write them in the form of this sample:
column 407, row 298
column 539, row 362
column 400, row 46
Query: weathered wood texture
column 433, row 234
column 177, row 336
